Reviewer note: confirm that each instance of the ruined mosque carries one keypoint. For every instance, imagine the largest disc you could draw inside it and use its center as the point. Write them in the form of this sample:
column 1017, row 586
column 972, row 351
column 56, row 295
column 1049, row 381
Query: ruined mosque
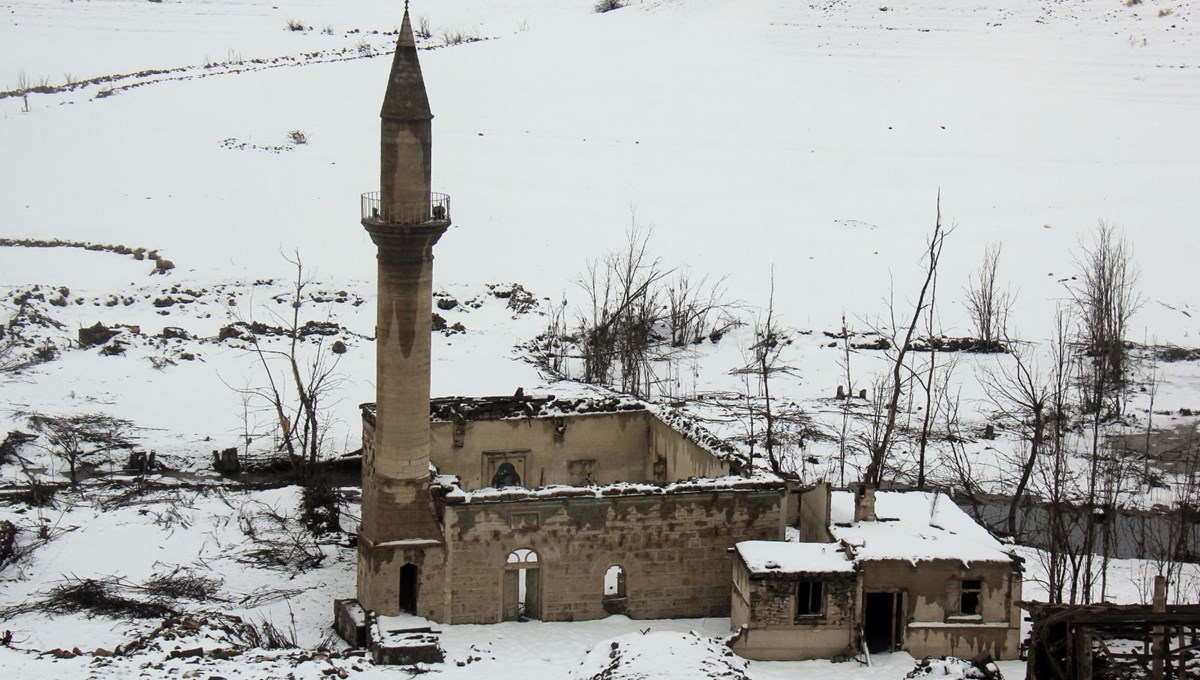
column 482, row 510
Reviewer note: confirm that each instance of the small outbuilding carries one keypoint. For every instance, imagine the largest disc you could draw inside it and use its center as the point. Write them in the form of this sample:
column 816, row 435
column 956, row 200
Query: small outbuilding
column 913, row 572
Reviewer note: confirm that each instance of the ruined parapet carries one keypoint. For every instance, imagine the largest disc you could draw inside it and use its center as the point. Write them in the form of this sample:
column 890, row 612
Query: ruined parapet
column 864, row 502
column 350, row 622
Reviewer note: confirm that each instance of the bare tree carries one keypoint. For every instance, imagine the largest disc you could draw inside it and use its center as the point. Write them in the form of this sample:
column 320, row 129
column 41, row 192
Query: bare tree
column 691, row 306
column 1106, row 297
column 987, row 303
column 847, row 397
column 638, row 315
column 928, row 381
column 617, row 329
column 75, row 438
column 764, row 363
column 961, row 467
column 1021, row 395
column 553, row 344
column 1058, row 479
column 297, row 386
column 895, row 385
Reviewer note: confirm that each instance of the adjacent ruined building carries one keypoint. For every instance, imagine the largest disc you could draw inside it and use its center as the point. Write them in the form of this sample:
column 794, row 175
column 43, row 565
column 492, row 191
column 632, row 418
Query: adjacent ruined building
column 904, row 570
column 482, row 510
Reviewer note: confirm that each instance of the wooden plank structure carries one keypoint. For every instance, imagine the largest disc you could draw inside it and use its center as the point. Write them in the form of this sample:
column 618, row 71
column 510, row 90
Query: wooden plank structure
column 1077, row 642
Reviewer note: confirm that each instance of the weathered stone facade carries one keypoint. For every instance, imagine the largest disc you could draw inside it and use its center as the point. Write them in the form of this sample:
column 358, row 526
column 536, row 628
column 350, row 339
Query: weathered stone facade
column 764, row 614
column 672, row 543
column 673, row 548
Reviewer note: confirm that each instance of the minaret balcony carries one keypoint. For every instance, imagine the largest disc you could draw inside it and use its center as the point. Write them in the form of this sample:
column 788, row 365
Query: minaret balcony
column 436, row 210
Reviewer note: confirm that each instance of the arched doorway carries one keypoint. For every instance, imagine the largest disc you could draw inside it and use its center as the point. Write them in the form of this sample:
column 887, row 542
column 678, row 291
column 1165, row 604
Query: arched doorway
column 614, row 583
column 408, row 589
column 615, row 601
column 522, row 587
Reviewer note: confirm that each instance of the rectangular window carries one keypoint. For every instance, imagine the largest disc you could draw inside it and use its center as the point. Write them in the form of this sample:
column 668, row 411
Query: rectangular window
column 969, row 601
column 810, row 598
column 582, row 472
column 506, row 468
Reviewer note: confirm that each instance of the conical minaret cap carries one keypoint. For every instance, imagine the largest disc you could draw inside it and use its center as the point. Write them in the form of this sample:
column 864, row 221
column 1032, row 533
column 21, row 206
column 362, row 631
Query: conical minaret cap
column 406, row 98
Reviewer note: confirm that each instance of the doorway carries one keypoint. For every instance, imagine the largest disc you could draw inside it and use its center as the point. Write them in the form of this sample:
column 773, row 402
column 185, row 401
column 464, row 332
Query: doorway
column 522, row 587
column 408, row 589
column 883, row 622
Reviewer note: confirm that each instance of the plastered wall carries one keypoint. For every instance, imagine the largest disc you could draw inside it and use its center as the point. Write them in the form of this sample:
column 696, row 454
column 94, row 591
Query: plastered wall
column 601, row 448
column 933, row 589
column 616, row 442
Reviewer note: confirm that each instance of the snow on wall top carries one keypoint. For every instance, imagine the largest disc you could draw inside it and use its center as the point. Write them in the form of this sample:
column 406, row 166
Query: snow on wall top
column 471, row 409
column 454, row 494
column 914, row 526
column 784, row 558
column 466, row 409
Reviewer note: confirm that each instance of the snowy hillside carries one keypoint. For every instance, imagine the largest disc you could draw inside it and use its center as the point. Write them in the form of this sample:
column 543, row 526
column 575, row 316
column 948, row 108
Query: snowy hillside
column 808, row 141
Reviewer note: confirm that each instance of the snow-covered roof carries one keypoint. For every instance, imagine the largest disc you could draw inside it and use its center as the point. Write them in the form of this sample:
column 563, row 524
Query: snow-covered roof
column 784, row 558
column 914, row 526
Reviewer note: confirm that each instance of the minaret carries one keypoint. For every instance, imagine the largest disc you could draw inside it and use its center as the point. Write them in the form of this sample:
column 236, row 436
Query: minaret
column 404, row 220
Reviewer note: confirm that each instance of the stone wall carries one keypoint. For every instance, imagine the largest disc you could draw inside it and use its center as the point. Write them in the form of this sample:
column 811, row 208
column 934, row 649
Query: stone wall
column 673, row 547
column 379, row 578
column 767, row 621
column 932, row 591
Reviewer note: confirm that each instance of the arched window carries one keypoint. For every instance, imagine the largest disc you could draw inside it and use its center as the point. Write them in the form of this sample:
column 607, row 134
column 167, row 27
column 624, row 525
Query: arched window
column 522, row 596
column 614, row 583
column 506, row 475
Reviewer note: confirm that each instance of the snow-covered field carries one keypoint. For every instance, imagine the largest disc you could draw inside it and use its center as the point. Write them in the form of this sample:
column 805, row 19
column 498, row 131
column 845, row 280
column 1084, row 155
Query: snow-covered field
column 810, row 139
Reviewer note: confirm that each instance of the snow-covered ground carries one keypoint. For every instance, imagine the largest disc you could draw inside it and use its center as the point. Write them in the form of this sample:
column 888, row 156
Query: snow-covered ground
column 807, row 139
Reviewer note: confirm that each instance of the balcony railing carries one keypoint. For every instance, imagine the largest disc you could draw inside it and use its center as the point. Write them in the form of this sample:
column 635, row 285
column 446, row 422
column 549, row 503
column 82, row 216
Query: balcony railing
column 436, row 210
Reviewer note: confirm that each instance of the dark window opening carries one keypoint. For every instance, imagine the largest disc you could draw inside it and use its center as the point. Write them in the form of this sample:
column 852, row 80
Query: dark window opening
column 506, row 475
column 969, row 602
column 810, row 598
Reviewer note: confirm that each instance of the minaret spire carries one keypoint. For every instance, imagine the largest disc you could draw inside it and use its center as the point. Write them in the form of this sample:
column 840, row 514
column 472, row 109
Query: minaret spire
column 405, row 98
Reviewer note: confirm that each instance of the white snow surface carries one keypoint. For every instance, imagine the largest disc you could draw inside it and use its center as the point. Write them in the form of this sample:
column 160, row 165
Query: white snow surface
column 661, row 655
column 914, row 526
column 785, row 557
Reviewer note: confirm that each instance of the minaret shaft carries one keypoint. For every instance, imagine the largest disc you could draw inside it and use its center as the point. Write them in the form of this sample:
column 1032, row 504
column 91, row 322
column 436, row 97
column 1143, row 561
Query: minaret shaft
column 405, row 167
